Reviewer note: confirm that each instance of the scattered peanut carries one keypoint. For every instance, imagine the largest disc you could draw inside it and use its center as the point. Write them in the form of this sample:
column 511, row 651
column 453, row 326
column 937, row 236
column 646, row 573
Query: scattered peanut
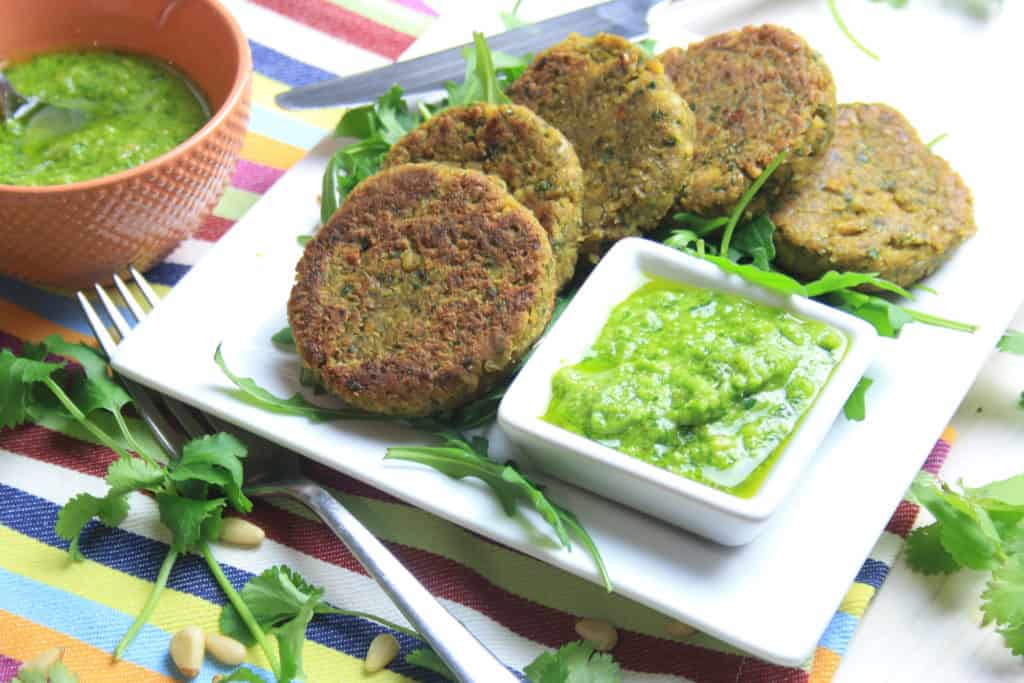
column 42, row 662
column 382, row 650
column 187, row 650
column 601, row 634
column 225, row 650
column 678, row 629
column 239, row 532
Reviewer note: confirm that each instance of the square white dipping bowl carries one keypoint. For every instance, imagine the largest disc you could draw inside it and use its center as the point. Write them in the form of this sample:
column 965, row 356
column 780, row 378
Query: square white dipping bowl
column 717, row 515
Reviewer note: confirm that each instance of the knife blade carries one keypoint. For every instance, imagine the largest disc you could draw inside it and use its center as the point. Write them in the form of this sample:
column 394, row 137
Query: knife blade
column 624, row 17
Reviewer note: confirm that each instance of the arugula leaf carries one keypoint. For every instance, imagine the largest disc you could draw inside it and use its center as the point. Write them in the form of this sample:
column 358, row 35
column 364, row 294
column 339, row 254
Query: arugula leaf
column 925, row 553
column 647, row 46
column 1012, row 342
column 849, row 34
column 936, row 140
column 833, row 282
column 854, row 408
column 283, row 337
column 889, row 318
column 755, row 239
column 574, row 663
column 253, row 393
column 459, row 458
column 741, row 205
column 425, row 658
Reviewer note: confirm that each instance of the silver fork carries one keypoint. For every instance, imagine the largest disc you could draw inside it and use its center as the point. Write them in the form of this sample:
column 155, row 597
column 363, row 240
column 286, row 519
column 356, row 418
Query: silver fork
column 272, row 471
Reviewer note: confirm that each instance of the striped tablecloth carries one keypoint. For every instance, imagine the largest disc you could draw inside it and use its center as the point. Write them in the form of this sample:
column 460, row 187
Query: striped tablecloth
column 516, row 604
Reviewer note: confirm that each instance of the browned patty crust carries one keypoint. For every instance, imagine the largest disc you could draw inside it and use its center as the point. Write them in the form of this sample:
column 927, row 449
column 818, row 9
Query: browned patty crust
column 632, row 132
column 427, row 285
column 537, row 163
column 754, row 93
column 879, row 202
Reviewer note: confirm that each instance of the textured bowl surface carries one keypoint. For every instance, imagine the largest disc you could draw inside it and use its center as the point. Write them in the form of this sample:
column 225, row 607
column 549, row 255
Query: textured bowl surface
column 69, row 236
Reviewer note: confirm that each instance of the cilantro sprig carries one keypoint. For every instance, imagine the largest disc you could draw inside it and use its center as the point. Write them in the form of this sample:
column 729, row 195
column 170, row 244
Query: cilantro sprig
column 976, row 528
column 57, row 673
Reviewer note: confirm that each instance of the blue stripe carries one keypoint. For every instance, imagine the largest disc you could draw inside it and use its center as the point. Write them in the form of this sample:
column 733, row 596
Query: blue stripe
column 873, row 573
column 58, row 309
column 95, row 624
column 282, row 128
column 167, row 273
column 839, row 632
column 281, row 67
column 141, row 557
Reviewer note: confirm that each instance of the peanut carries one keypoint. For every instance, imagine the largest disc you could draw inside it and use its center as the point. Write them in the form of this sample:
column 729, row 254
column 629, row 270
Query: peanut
column 42, row 662
column 600, row 634
column 241, row 533
column 187, row 650
column 382, row 650
column 225, row 650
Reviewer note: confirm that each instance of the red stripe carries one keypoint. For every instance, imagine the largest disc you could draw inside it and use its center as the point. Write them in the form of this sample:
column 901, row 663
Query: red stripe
column 213, row 228
column 341, row 23
column 253, row 177
column 54, row 448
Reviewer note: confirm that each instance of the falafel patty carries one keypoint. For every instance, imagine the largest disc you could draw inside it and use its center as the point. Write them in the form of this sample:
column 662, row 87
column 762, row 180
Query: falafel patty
column 754, row 93
column 537, row 163
column 427, row 285
column 878, row 202
column 632, row 132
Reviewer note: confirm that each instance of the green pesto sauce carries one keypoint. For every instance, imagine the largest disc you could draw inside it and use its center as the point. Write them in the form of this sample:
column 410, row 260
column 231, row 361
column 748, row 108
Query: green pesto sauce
column 703, row 384
column 136, row 109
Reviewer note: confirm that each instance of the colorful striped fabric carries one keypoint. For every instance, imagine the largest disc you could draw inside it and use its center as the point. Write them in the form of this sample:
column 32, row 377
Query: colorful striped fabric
column 514, row 603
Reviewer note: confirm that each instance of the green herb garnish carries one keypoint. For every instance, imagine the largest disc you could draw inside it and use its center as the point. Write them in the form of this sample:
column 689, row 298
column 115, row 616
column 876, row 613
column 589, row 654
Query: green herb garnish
column 981, row 529
column 572, row 663
column 58, row 673
column 1012, row 341
column 846, row 31
column 854, row 409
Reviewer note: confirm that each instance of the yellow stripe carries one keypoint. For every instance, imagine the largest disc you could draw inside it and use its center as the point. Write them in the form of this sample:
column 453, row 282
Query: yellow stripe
column 24, row 639
column 32, row 327
column 264, row 90
column 105, row 586
column 263, row 150
column 857, row 599
column 949, row 435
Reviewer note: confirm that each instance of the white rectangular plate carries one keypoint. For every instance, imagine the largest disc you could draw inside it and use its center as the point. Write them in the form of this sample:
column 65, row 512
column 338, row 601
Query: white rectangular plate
column 773, row 597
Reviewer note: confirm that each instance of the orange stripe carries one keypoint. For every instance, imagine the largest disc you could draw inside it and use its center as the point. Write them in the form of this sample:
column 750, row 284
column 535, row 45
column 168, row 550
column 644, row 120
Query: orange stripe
column 949, row 435
column 824, row 666
column 32, row 327
column 23, row 639
column 270, row 152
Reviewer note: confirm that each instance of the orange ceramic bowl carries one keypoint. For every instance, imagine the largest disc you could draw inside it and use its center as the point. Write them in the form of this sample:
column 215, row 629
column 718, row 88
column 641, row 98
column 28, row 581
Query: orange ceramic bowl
column 69, row 236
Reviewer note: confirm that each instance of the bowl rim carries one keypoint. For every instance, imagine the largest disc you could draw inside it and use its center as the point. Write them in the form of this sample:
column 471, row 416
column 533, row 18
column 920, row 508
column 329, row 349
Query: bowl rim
column 862, row 341
column 243, row 76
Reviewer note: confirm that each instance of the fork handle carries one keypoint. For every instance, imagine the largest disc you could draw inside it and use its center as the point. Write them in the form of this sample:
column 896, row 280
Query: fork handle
column 467, row 657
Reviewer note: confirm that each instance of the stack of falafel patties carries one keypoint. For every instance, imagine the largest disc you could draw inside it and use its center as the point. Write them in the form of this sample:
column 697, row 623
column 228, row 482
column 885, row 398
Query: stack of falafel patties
column 438, row 274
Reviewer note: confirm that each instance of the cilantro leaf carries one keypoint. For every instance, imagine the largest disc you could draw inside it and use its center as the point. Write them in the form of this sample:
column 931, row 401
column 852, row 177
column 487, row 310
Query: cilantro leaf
column 133, row 474
column 1012, row 342
column 925, row 553
column 249, row 391
column 30, row 676
column 215, row 459
column 574, row 663
column 1014, row 638
column 854, row 408
column 273, row 597
column 190, row 520
column 1003, row 599
column 755, row 239
column 79, row 511
column 647, row 45
column 1007, row 492
column 99, row 390
column 242, row 674
column 966, row 530
column 291, row 636
column 17, row 375
column 59, row 673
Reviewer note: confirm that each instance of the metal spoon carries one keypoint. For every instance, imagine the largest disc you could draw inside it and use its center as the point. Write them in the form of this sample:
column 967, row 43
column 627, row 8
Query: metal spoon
column 43, row 122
